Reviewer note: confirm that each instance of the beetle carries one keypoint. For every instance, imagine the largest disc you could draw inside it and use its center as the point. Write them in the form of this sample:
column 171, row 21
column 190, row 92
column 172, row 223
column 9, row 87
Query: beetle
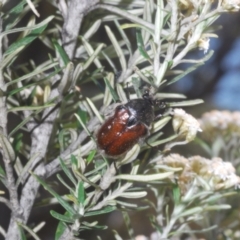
column 129, row 124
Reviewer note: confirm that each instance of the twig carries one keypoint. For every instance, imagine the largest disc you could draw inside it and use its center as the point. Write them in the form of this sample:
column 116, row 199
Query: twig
column 53, row 166
column 73, row 22
column 40, row 139
column 116, row 193
column 10, row 179
column 41, row 133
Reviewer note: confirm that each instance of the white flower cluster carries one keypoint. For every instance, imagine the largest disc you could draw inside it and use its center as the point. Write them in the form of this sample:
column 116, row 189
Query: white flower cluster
column 220, row 123
column 215, row 173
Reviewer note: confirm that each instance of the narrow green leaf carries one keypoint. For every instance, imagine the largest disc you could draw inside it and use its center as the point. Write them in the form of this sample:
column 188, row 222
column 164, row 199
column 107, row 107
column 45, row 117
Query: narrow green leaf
column 158, row 22
column 161, row 123
column 61, row 52
column 94, row 109
column 185, row 103
column 176, row 194
column 61, row 140
column 64, row 203
column 116, row 235
column 74, row 161
column 124, row 36
column 153, row 137
column 66, row 81
column 93, row 179
column 90, row 226
column 166, row 168
column 39, row 25
column 156, row 224
column 143, row 77
column 171, row 138
column 61, row 217
column 91, row 156
column 140, row 44
column 112, row 91
column 217, row 207
column 17, row 142
column 136, row 85
column 192, row 68
column 92, row 29
column 144, row 178
column 61, row 228
column 2, row 172
column 25, row 40
column 127, row 204
column 13, row 14
column 22, row 234
column 81, row 193
column 83, row 178
column 129, row 226
column 214, row 198
column 204, row 146
column 161, row 72
column 7, row 146
column 110, row 61
column 29, row 230
column 136, row 194
column 170, row 96
column 167, row 16
column 30, row 108
column 31, row 95
column 134, row 25
column 121, row 93
column 26, row 168
column 83, row 125
column 107, row 95
column 131, row 155
column 201, row 230
column 8, row 60
column 93, row 54
column 98, row 167
column 147, row 16
column 71, row 190
column 67, row 172
column 83, row 114
column 117, row 48
column 37, row 71
column 190, row 211
column 39, row 226
column 26, row 120
column 77, row 72
column 105, row 210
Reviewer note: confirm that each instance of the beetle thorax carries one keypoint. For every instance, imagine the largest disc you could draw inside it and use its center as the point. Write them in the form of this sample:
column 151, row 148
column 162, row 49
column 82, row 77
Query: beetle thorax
column 142, row 110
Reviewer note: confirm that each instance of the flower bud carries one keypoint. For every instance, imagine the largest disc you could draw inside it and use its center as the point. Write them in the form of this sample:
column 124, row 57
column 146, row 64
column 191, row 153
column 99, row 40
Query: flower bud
column 185, row 125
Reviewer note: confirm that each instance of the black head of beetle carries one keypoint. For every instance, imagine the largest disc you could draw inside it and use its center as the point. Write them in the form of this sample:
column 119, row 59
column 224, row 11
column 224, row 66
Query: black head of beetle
column 141, row 110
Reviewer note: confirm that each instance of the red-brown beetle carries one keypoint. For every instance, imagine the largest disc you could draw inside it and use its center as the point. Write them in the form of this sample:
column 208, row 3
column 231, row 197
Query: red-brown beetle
column 127, row 126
